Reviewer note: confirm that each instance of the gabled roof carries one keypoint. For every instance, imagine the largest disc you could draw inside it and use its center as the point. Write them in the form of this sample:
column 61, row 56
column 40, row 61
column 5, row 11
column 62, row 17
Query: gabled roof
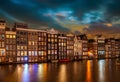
column 82, row 37
column 52, row 31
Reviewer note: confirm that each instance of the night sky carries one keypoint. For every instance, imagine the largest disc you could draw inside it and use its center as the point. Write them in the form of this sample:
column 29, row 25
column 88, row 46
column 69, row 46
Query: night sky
column 78, row 16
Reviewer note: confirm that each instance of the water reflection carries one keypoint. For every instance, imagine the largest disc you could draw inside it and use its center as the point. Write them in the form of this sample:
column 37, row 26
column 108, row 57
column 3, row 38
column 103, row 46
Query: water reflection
column 42, row 72
column 25, row 75
column 83, row 71
column 88, row 71
column 62, row 73
column 101, row 69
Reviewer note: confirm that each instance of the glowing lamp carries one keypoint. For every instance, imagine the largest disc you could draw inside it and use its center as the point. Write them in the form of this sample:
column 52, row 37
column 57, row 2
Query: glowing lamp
column 26, row 58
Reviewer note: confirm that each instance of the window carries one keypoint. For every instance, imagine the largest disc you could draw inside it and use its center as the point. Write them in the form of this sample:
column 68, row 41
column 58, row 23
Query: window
column 21, row 47
column 22, row 59
column 10, row 47
column 3, row 36
column 14, row 36
column 29, row 53
column 29, row 42
column 25, row 47
column 85, row 53
column 48, row 51
column 53, row 52
column 33, row 43
column 18, row 58
column 2, row 52
column 52, row 36
column 35, row 53
column 55, row 35
column 2, row 44
column 14, row 53
column 25, row 53
column 44, row 34
column 55, row 40
column 22, row 53
column 39, row 38
column 7, row 36
column 101, row 52
column 6, row 47
column 18, row 47
column 32, row 53
column 49, row 39
column 10, row 36
column 49, row 35
column 18, row 53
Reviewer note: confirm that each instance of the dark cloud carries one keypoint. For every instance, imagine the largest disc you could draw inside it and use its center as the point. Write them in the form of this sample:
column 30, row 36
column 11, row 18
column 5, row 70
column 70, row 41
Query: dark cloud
column 53, row 13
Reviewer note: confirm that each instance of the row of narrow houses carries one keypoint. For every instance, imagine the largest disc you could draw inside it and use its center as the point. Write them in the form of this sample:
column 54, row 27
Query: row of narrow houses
column 21, row 44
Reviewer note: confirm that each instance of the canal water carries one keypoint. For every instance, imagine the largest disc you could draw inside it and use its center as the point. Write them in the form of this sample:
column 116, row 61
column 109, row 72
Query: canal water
column 81, row 71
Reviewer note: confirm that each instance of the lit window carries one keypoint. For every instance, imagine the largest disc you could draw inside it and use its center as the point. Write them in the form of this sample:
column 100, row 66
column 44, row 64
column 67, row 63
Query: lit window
column 32, row 53
column 18, row 53
column 29, row 42
column 25, row 53
column 52, row 40
column 33, row 43
column 52, row 36
column 3, row 36
column 35, row 53
column 49, row 39
column 2, row 44
column 25, row 58
column 18, row 47
column 2, row 52
column 29, row 53
column 55, row 40
column 14, row 36
column 55, row 35
column 18, row 58
column 22, row 53
column 6, row 47
column 10, row 36
column 21, row 47
column 22, row 59
column 48, row 51
column 44, row 34
column 7, row 36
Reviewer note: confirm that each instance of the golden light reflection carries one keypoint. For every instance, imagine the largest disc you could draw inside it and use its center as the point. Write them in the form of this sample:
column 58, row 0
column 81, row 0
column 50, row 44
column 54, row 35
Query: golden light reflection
column 90, row 53
column 45, row 69
column 42, row 70
column 62, row 73
column 88, row 73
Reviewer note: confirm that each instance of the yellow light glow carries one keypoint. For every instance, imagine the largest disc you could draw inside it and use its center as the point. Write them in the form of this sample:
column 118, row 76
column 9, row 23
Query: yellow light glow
column 88, row 73
column 90, row 53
